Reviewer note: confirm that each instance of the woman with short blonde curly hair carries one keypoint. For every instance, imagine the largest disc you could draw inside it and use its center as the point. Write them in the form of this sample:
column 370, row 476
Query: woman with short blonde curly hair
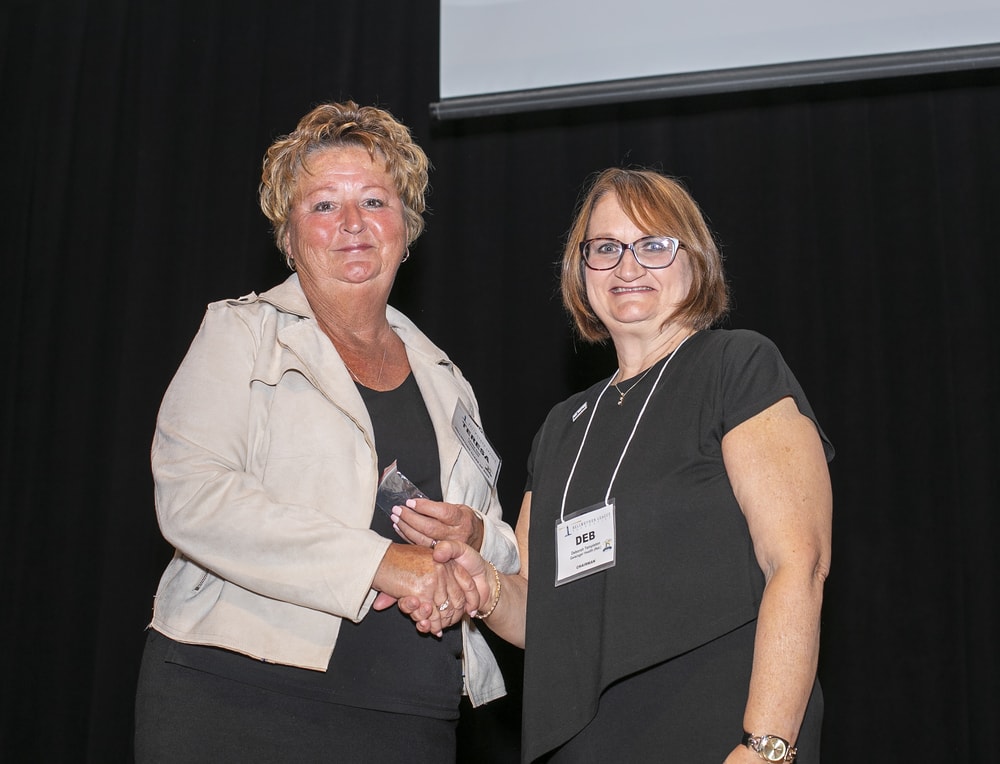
column 274, row 634
column 344, row 124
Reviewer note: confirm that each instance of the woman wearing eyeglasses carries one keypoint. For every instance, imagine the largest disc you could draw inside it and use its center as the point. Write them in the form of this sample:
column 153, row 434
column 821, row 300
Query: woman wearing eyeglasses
column 675, row 531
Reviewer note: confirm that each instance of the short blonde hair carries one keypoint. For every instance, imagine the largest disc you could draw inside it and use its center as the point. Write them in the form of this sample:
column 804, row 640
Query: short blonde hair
column 659, row 205
column 334, row 125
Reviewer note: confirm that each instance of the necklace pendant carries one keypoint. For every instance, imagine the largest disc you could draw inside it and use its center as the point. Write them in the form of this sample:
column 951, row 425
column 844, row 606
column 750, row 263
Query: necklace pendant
column 620, row 399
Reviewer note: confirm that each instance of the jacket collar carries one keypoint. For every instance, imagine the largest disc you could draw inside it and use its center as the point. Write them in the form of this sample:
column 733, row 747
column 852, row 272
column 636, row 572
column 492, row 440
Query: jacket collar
column 288, row 297
column 427, row 362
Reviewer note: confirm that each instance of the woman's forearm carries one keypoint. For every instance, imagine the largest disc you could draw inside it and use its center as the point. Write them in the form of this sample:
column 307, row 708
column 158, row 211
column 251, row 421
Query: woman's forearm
column 508, row 617
column 786, row 653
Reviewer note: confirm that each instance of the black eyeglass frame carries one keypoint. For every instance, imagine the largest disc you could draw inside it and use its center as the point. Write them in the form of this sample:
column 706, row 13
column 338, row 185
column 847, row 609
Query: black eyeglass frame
column 622, row 246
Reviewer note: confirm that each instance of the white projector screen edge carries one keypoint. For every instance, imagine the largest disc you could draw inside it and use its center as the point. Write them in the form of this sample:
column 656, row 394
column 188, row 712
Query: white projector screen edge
column 721, row 81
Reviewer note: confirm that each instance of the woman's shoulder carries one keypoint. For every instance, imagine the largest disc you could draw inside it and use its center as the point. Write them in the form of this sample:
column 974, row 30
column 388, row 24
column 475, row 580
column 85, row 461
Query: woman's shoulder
column 733, row 354
column 733, row 339
column 254, row 317
column 733, row 347
column 286, row 297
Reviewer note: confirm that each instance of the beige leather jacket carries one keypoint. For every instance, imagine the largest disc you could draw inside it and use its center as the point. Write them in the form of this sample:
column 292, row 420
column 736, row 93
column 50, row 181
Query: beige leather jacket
column 266, row 473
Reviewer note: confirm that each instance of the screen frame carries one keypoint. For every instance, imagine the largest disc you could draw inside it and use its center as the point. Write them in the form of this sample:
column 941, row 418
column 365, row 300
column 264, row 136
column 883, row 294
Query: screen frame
column 825, row 71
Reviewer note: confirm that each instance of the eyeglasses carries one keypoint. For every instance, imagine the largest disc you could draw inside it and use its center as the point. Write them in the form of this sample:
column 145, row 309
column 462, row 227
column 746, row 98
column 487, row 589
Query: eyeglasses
column 649, row 251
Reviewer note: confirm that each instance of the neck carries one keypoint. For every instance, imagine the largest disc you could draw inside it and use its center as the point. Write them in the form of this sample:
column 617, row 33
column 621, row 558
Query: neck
column 353, row 319
column 355, row 322
column 358, row 333
column 636, row 354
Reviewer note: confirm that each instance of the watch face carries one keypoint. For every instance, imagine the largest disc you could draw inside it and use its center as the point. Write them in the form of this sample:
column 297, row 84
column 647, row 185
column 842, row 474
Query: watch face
column 773, row 748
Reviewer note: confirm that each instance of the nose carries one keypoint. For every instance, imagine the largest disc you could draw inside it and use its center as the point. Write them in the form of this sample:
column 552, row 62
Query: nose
column 629, row 268
column 353, row 221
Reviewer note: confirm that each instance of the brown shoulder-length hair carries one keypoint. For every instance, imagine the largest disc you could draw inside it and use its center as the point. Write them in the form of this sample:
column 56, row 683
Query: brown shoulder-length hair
column 334, row 125
column 659, row 205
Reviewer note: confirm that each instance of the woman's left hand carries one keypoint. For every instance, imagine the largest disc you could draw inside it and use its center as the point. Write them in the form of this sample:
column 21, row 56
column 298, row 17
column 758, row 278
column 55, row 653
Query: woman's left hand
column 425, row 522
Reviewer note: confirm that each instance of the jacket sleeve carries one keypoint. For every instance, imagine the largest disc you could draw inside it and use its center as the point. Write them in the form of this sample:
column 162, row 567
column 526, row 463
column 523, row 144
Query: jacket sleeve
column 217, row 511
column 499, row 544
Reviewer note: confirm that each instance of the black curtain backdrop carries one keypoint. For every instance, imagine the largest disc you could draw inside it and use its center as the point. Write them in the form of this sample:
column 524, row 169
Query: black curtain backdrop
column 859, row 223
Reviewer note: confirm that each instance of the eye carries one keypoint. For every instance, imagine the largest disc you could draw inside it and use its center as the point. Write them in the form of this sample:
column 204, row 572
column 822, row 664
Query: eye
column 656, row 245
column 373, row 203
column 323, row 207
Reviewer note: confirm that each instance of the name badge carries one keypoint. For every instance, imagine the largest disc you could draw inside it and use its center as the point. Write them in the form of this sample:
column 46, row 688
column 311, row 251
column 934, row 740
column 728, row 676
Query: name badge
column 585, row 542
column 475, row 443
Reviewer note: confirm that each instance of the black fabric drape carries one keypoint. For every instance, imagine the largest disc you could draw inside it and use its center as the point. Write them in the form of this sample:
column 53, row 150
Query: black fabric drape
column 859, row 222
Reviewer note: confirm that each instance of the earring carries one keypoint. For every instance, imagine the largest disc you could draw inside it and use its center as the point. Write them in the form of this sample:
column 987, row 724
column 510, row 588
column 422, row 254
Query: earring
column 406, row 256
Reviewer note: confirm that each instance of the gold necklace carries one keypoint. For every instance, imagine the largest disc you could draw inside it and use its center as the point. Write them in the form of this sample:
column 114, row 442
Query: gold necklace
column 357, row 379
column 621, row 395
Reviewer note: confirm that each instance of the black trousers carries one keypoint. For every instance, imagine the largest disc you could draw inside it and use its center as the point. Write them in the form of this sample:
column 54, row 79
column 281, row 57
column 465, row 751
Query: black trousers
column 191, row 716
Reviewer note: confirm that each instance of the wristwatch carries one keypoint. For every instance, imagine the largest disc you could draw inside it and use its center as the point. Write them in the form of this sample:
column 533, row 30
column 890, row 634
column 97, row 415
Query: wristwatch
column 769, row 747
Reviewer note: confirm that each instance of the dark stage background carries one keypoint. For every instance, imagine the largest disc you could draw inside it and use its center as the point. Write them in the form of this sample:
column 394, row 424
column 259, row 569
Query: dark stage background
column 859, row 222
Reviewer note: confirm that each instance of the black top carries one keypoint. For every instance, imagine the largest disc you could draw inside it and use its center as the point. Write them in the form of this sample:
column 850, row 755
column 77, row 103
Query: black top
column 381, row 663
column 685, row 569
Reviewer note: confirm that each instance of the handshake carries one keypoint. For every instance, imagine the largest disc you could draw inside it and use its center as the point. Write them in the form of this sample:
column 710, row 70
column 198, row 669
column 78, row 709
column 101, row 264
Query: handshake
column 438, row 577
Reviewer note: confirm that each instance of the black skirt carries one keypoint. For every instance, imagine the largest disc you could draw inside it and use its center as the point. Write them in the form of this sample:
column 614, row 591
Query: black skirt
column 183, row 714
column 688, row 710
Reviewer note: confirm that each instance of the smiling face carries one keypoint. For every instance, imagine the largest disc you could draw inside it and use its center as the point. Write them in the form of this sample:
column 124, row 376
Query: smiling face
column 630, row 299
column 346, row 227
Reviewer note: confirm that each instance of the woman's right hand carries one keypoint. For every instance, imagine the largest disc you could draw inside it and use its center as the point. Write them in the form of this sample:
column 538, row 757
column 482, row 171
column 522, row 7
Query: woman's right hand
column 505, row 601
column 421, row 578
column 470, row 564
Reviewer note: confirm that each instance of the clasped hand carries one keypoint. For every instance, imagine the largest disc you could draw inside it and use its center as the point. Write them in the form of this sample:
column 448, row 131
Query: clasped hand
column 446, row 536
column 468, row 565
column 413, row 575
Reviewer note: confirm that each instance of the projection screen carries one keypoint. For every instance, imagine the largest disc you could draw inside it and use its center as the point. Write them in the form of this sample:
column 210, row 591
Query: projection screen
column 504, row 56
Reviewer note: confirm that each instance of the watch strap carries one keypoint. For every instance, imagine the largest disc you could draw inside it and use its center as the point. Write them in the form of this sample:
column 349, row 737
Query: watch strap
column 758, row 744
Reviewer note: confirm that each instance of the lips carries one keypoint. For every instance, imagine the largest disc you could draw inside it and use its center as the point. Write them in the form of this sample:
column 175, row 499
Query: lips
column 630, row 290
